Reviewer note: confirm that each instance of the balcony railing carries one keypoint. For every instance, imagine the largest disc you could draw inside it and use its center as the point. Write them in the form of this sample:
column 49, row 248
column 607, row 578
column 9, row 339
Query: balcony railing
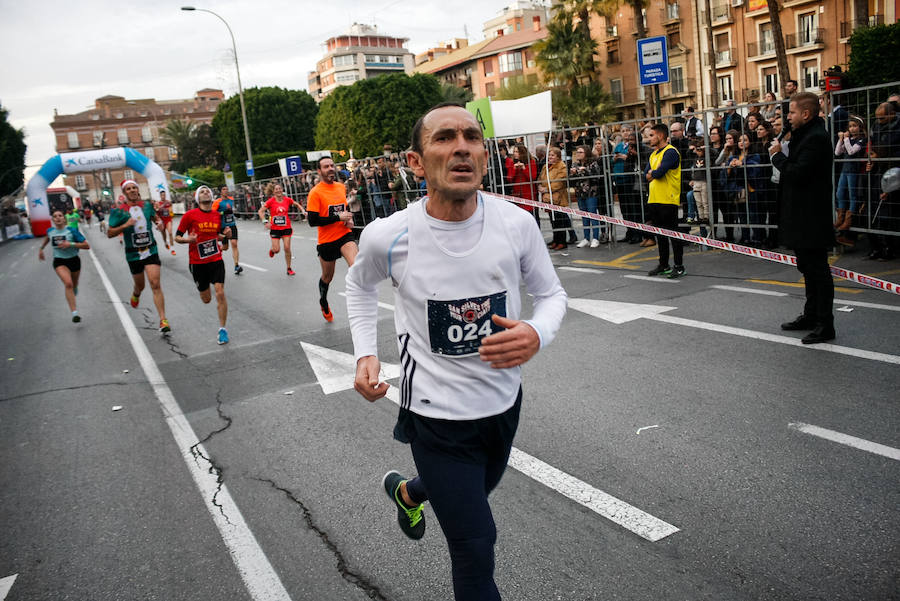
column 763, row 48
column 679, row 87
column 723, row 57
column 809, row 37
column 848, row 27
column 720, row 13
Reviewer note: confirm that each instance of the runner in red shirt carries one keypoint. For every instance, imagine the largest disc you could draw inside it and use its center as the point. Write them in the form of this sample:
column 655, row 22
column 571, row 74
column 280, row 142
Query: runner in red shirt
column 201, row 229
column 279, row 223
column 164, row 211
column 327, row 206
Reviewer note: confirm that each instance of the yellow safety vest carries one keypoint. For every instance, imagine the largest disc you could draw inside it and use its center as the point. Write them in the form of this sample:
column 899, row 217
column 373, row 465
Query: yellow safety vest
column 667, row 190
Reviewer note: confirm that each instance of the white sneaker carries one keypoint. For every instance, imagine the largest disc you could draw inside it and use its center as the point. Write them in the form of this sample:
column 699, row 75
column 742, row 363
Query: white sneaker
column 595, row 243
column 584, row 242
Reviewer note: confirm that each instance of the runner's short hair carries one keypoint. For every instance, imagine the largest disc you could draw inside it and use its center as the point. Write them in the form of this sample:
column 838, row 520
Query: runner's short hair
column 417, row 128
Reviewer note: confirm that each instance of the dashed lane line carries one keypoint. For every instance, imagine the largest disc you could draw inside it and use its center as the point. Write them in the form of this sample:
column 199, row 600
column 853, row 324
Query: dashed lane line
column 846, row 439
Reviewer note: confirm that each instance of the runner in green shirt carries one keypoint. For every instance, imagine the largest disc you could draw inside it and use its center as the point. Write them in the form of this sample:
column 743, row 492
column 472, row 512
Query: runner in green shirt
column 133, row 220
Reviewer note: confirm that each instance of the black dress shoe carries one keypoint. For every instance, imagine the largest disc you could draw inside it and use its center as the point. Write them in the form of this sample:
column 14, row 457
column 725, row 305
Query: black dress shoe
column 819, row 334
column 801, row 323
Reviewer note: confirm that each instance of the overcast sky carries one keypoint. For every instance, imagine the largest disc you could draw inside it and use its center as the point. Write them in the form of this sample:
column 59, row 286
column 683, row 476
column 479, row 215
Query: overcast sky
column 64, row 54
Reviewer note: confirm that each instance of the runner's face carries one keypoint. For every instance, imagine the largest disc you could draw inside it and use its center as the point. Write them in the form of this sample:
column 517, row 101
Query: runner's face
column 326, row 171
column 453, row 155
column 279, row 191
column 204, row 197
column 132, row 193
column 59, row 219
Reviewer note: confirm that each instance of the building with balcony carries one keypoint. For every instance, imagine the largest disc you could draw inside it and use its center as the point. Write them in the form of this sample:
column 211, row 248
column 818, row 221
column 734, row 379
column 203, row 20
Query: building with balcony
column 815, row 36
column 518, row 16
column 117, row 121
column 361, row 53
column 617, row 44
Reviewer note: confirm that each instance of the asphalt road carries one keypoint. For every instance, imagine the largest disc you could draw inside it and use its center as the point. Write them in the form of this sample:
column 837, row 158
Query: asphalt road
column 688, row 417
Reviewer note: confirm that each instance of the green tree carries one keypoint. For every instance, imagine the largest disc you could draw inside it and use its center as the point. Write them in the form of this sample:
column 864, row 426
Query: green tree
column 277, row 118
column 209, row 176
column 566, row 55
column 180, row 134
column 586, row 102
column 12, row 155
column 519, row 89
column 869, row 49
column 373, row 112
column 452, row 93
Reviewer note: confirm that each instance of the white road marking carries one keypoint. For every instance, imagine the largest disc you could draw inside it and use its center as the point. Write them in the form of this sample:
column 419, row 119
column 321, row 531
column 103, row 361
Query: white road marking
column 5, row 585
column 839, row 301
column 581, row 269
column 651, row 278
column 26, row 253
column 846, row 439
column 380, row 304
column 254, row 267
column 255, row 570
column 751, row 290
column 618, row 313
column 335, row 372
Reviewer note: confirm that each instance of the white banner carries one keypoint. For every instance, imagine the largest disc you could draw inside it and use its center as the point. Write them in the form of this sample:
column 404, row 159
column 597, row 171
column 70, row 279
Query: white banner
column 528, row 115
column 93, row 160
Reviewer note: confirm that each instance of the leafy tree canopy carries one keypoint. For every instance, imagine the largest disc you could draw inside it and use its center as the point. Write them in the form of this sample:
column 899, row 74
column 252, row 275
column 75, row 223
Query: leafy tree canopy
column 277, row 118
column 12, row 155
column 373, row 112
column 869, row 47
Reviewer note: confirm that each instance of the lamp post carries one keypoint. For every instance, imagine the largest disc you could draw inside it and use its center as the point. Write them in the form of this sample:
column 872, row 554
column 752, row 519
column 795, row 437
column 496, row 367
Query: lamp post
column 240, row 89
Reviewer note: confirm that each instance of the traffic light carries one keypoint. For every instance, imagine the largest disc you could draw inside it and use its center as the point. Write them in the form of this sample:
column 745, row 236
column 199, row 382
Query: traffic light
column 189, row 181
column 106, row 192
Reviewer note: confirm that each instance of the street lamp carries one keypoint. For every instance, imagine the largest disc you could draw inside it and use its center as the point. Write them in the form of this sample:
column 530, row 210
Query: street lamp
column 240, row 89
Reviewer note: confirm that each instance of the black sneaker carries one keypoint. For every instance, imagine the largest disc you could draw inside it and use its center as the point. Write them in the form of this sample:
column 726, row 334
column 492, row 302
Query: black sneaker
column 821, row 333
column 676, row 272
column 411, row 520
column 660, row 270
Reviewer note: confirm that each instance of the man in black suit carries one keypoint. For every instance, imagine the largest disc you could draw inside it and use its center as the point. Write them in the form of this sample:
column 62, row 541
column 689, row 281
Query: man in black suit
column 805, row 213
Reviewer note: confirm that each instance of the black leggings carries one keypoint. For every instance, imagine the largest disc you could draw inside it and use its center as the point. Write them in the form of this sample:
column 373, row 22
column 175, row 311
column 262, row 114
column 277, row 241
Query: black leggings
column 459, row 464
column 666, row 217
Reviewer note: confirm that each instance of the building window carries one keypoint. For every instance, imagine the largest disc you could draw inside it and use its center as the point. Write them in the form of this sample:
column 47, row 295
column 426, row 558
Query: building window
column 807, row 29
column 770, row 80
column 676, row 76
column 347, row 59
column 489, row 89
column 129, row 174
column 515, row 79
column 612, row 54
column 95, row 117
column 726, row 89
column 766, row 39
column 641, row 93
column 488, row 67
column 173, row 153
column 615, row 90
column 347, row 77
column 99, row 138
column 673, row 36
column 72, row 139
column 123, row 136
column 148, row 152
column 79, row 183
column 120, row 115
column 511, row 61
column 809, row 73
column 146, row 134
column 671, row 11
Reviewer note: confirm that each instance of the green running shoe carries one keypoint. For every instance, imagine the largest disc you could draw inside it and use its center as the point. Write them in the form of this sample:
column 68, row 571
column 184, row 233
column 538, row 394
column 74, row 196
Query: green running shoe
column 411, row 520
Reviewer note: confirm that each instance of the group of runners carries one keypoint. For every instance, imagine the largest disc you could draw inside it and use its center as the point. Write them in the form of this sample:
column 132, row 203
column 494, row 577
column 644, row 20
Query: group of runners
column 209, row 229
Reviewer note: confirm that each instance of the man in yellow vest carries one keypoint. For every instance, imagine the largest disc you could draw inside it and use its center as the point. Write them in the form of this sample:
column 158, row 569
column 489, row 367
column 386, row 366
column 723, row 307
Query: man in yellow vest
column 663, row 171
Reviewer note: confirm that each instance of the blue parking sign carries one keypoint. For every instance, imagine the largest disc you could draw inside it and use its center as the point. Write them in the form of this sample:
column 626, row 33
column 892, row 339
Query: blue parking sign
column 653, row 60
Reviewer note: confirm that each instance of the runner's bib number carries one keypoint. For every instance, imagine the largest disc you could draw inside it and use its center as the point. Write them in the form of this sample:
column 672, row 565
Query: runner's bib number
column 55, row 240
column 207, row 249
column 336, row 210
column 279, row 220
column 140, row 239
column 229, row 219
column 456, row 327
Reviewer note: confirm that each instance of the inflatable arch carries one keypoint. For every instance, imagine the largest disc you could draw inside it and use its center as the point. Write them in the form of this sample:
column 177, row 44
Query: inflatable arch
column 81, row 162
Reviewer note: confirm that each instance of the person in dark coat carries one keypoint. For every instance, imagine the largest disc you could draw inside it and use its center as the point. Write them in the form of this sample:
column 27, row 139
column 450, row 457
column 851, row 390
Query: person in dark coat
column 805, row 213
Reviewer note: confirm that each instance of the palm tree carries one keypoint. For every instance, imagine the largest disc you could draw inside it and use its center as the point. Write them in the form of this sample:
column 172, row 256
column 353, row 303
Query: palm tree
column 180, row 134
column 452, row 93
column 784, row 71
column 566, row 55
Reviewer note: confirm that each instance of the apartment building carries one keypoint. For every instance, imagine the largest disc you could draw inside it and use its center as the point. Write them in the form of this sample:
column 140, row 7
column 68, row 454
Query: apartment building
column 360, row 53
column 117, row 121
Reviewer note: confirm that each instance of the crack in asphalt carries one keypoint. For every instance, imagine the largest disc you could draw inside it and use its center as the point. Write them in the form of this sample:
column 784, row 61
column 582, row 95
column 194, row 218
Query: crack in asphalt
column 371, row 590
column 81, row 387
column 215, row 468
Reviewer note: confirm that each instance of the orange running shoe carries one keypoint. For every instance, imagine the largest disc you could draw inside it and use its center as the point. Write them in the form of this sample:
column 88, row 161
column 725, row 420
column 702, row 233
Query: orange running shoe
column 326, row 311
column 134, row 301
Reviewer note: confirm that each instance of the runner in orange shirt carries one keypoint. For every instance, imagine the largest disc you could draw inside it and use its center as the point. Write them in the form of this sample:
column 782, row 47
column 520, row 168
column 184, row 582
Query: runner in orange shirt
column 327, row 210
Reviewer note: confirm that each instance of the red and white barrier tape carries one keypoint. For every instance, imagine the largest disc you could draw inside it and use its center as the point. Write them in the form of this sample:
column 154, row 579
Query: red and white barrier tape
column 861, row 278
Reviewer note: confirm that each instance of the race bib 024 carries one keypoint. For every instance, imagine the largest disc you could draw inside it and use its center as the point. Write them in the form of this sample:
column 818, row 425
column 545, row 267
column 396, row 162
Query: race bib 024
column 456, row 327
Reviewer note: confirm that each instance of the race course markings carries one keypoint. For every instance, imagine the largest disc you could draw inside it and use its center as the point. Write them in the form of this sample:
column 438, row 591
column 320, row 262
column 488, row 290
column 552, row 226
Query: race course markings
column 846, row 439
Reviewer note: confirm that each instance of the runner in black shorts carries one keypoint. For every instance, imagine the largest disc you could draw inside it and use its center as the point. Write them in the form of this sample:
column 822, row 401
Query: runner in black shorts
column 67, row 241
column 207, row 273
